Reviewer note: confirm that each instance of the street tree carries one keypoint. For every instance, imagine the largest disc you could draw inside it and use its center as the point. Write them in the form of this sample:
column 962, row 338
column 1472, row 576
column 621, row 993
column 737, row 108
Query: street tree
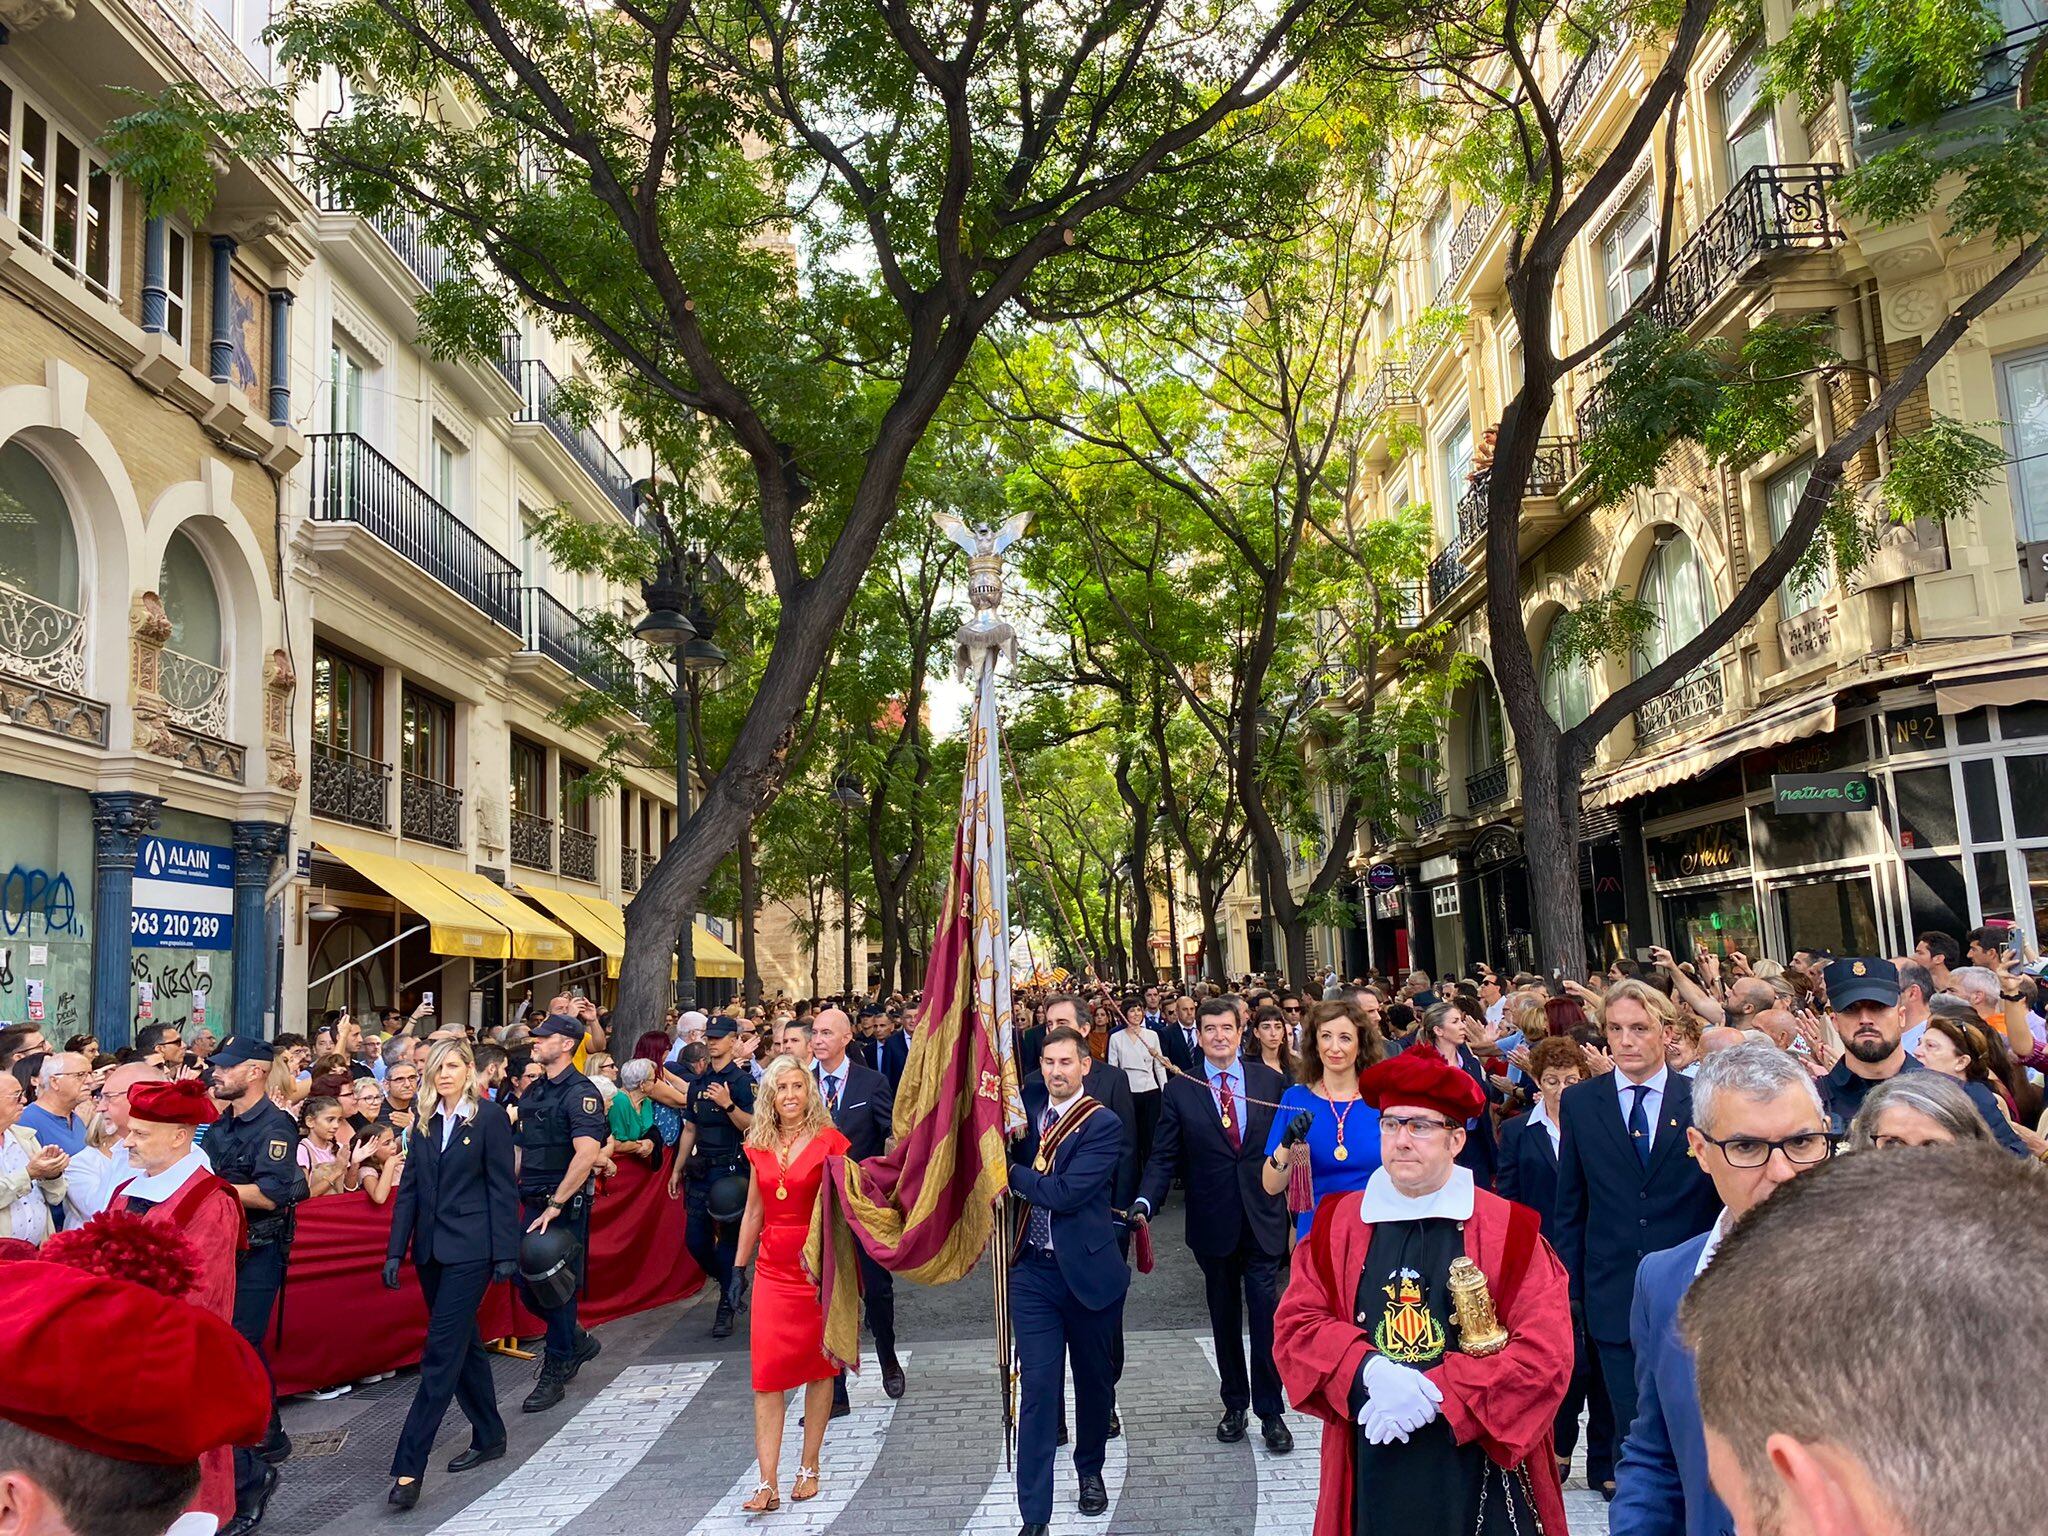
column 1664, row 393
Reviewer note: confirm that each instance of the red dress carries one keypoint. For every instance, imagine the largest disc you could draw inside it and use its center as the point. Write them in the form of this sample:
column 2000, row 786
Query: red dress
column 787, row 1331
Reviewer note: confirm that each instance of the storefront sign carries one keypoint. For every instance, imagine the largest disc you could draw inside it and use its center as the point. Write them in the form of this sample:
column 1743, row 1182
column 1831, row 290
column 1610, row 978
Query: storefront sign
column 1719, row 848
column 1443, row 867
column 1821, row 793
column 1915, row 730
column 184, row 895
column 1383, row 877
column 1444, row 899
column 1805, row 637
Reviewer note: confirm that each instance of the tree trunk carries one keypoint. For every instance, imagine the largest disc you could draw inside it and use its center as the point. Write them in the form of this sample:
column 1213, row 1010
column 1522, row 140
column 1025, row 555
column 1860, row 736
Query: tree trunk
column 750, row 912
column 1550, row 841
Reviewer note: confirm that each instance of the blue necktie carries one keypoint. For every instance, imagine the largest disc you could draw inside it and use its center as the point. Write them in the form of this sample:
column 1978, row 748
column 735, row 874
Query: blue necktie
column 1038, row 1226
column 1639, row 1123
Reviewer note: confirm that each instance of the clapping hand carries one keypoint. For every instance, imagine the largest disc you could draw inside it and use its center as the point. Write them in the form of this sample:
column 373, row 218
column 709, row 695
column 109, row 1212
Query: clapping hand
column 48, row 1163
column 1597, row 1059
column 1297, row 1129
column 1519, row 1057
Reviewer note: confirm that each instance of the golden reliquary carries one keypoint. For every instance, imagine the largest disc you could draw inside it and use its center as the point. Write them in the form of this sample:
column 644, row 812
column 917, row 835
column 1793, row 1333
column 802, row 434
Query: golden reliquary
column 1479, row 1330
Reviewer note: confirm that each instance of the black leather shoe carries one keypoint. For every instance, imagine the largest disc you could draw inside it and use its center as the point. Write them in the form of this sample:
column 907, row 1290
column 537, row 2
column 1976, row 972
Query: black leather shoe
column 587, row 1349
column 404, row 1495
column 547, row 1387
column 1279, row 1438
column 1031, row 1530
column 475, row 1456
column 892, row 1376
column 1094, row 1497
column 277, row 1448
column 1116, row 1424
column 839, row 1411
column 721, row 1325
column 246, row 1520
column 1230, row 1428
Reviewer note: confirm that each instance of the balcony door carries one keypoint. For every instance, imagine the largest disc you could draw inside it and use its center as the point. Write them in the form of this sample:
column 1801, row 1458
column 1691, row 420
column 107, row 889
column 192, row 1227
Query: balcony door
column 1750, row 133
column 345, row 380
column 2024, row 385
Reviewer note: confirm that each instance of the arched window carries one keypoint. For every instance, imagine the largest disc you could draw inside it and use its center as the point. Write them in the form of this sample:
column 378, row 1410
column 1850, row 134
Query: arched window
column 194, row 679
column 42, row 633
column 1485, row 731
column 1567, row 685
column 1674, row 588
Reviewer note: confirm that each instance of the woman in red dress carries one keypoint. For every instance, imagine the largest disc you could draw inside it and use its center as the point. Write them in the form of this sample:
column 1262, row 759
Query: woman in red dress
column 787, row 1144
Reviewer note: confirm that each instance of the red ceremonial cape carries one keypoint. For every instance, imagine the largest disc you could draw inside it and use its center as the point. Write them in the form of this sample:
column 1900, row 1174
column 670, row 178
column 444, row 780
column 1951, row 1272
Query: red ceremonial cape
column 208, row 1213
column 1507, row 1402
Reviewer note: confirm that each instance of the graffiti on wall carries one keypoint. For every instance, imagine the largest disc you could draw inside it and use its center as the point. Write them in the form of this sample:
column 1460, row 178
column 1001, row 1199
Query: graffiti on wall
column 38, row 904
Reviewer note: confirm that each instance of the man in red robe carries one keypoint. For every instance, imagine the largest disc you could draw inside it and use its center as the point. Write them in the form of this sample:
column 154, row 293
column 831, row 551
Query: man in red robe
column 1427, row 1432
column 175, row 1187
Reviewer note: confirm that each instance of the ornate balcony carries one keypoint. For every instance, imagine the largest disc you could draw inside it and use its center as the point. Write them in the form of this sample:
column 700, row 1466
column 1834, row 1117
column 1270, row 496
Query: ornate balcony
column 1430, row 811
column 1687, row 702
column 1557, row 461
column 1446, row 575
column 204, row 48
column 349, row 787
column 540, row 390
column 647, row 863
column 547, row 627
column 533, row 841
column 1466, row 240
column 1579, row 89
column 1998, row 82
column 579, row 854
column 196, row 692
column 430, row 811
column 1488, row 786
column 353, row 483
column 41, row 641
column 629, row 870
column 407, row 236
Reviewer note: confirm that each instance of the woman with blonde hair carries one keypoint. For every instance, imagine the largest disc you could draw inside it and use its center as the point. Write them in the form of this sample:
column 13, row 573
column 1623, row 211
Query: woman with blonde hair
column 458, row 1212
column 787, row 1144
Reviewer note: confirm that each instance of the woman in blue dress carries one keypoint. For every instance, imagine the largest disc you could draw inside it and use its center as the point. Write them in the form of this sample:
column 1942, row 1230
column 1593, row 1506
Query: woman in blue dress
column 1341, row 1147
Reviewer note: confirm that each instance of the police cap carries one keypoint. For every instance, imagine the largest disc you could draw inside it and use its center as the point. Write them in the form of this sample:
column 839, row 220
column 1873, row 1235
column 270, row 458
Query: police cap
column 560, row 1024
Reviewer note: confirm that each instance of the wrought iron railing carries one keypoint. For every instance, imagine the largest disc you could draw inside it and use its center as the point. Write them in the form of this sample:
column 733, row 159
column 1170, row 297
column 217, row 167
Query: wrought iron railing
column 41, row 641
column 647, row 863
column 196, row 693
column 406, row 234
column 1403, row 604
column 1430, row 811
column 1773, row 208
column 1391, row 386
column 533, row 841
column 1487, row 786
column 1446, row 575
column 1557, row 460
column 349, row 787
column 1686, row 702
column 546, row 626
column 629, row 870
column 430, row 811
column 579, row 854
column 1998, row 77
column 540, row 391
column 1466, row 238
column 353, row 483
column 1579, row 89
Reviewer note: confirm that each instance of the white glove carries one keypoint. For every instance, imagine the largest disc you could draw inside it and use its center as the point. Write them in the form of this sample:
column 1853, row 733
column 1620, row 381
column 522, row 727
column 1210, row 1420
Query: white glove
column 1399, row 1399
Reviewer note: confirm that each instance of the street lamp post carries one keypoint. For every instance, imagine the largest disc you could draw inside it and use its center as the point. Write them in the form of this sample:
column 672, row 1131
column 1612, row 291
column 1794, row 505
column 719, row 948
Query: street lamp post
column 676, row 618
column 849, row 796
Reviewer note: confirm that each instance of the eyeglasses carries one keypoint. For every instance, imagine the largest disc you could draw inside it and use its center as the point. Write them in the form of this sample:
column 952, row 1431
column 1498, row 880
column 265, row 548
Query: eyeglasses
column 1425, row 1128
column 1753, row 1151
column 1290, row 1007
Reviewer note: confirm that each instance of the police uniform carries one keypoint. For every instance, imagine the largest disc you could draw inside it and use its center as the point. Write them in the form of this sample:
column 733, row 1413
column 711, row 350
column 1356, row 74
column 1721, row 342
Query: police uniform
column 259, row 1146
column 716, row 1151
column 552, row 1114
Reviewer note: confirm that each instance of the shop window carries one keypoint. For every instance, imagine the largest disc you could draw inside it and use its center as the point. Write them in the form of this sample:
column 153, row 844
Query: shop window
column 1981, row 801
column 1994, row 886
column 2037, row 889
column 1836, row 915
column 2022, row 720
column 1937, row 897
column 1920, row 729
column 1927, row 808
column 2028, row 777
column 1973, row 728
column 1793, row 842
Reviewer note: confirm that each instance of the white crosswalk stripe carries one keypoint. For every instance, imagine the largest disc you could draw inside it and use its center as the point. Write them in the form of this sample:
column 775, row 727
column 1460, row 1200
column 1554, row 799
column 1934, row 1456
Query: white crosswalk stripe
column 604, row 1442
column 853, row 1446
column 1287, row 1484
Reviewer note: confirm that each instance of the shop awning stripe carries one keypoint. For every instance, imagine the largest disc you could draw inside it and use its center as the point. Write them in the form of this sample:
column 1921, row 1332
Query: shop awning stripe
column 1809, row 715
column 533, row 936
column 454, row 925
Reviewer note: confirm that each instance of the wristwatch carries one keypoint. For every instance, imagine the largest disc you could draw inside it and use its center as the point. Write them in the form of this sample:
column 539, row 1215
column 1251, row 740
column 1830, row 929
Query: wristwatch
column 555, row 1205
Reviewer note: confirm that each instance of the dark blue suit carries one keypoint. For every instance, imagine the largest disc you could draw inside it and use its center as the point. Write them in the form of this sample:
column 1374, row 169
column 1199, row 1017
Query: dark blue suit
column 458, row 1212
column 1068, row 1302
column 1612, row 1210
column 1528, row 1174
column 892, row 1056
column 864, row 1115
column 1237, row 1231
column 1663, row 1488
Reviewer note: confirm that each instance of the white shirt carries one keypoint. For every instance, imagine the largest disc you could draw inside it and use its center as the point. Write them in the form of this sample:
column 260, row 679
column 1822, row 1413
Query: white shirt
column 1138, row 1057
column 462, row 1116
column 159, row 1187
column 1495, row 1009
column 1653, row 1101
column 1715, row 1233
column 1541, row 1116
column 831, row 1080
column 1383, row 1202
column 100, row 1182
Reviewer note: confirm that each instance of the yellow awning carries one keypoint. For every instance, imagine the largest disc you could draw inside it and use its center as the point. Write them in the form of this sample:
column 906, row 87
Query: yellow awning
column 575, row 913
column 454, row 926
column 717, row 958
column 533, row 936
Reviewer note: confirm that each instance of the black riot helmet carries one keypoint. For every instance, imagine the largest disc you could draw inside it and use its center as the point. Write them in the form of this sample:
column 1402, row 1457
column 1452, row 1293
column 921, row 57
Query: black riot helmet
column 547, row 1263
column 726, row 1200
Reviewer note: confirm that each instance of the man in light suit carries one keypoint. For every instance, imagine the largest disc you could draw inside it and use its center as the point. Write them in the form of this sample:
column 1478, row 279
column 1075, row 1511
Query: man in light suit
column 862, row 1105
column 1212, row 1131
column 1626, row 1185
column 1757, row 1121
column 1068, row 1283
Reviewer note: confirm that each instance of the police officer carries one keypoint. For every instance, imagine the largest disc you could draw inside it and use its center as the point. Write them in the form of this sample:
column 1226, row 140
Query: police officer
column 254, row 1145
column 720, row 1107
column 560, row 1137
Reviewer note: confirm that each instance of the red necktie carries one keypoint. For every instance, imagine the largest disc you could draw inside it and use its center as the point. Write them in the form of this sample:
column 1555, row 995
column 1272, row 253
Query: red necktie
column 1226, row 1099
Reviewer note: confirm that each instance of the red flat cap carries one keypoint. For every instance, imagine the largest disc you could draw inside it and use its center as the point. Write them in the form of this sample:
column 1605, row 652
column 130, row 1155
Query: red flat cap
column 179, row 1381
column 1421, row 1079
column 185, row 1103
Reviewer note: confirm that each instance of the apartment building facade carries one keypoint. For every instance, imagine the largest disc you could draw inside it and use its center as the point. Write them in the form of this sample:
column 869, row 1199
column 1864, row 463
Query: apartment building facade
column 1925, row 672
column 279, row 644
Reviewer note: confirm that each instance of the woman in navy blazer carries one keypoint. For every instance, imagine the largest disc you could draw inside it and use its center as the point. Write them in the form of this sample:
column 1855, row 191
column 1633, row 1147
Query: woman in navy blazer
column 458, row 1211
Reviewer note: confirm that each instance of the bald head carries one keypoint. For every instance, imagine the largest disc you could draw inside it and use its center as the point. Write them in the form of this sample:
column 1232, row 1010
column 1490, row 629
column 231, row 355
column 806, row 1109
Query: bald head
column 1719, row 1037
column 1779, row 1024
column 831, row 1034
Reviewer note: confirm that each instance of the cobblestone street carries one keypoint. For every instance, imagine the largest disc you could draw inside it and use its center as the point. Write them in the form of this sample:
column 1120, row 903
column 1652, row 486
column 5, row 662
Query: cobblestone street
column 657, row 1437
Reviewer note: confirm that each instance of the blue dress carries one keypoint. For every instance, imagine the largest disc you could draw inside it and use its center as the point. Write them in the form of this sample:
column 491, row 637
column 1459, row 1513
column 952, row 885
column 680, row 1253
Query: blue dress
column 1361, row 1142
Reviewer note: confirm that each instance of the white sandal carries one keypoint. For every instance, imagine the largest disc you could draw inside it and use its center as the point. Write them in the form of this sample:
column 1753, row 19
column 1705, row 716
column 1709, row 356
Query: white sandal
column 796, row 1489
column 765, row 1500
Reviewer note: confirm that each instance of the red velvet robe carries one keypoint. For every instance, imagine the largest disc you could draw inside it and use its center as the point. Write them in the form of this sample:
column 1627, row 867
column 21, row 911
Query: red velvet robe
column 1507, row 1401
column 214, row 1226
